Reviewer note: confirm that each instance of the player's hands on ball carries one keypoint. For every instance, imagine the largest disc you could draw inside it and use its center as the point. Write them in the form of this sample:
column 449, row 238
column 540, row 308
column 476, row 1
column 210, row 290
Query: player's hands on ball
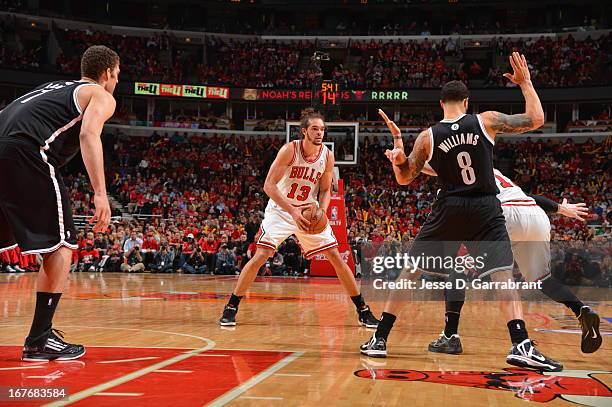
column 395, row 131
column 576, row 211
column 102, row 215
column 520, row 69
column 299, row 219
column 396, row 156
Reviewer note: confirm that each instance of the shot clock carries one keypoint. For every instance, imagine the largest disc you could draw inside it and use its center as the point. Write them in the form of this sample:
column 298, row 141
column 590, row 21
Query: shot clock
column 329, row 93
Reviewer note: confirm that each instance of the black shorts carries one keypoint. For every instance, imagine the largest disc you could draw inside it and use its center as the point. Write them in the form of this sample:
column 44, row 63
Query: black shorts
column 477, row 224
column 35, row 209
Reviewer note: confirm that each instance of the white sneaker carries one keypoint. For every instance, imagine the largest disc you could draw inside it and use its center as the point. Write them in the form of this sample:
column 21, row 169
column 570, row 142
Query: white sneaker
column 525, row 354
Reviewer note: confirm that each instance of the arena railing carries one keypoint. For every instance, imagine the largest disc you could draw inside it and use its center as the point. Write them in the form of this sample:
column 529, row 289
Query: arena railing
column 145, row 131
column 82, row 220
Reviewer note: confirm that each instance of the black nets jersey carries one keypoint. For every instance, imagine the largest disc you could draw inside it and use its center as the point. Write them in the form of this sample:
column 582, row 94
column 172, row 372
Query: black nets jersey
column 50, row 116
column 462, row 156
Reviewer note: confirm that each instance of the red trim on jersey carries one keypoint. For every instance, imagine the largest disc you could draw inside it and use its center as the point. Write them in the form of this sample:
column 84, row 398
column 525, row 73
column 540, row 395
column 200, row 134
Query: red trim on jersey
column 266, row 245
column 320, row 249
column 293, row 158
column 300, row 205
column 306, row 159
column 520, row 202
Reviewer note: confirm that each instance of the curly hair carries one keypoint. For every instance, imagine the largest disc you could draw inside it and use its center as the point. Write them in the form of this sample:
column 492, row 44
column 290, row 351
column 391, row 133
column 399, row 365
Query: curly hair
column 97, row 59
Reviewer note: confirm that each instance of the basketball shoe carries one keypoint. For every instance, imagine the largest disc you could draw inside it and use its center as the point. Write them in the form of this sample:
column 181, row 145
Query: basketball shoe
column 525, row 354
column 367, row 319
column 54, row 348
column 443, row 344
column 374, row 347
column 591, row 337
column 229, row 316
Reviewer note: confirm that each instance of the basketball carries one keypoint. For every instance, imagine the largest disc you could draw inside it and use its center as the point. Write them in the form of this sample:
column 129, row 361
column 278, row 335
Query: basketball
column 317, row 218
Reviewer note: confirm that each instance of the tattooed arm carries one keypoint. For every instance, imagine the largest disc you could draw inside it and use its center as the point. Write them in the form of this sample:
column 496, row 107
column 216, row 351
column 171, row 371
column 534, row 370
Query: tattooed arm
column 496, row 122
column 408, row 168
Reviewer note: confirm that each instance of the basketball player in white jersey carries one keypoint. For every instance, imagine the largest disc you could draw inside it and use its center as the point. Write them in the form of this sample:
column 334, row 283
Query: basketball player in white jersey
column 529, row 230
column 300, row 176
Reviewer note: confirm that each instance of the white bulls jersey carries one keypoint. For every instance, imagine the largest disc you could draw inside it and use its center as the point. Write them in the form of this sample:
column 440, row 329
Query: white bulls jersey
column 510, row 193
column 300, row 184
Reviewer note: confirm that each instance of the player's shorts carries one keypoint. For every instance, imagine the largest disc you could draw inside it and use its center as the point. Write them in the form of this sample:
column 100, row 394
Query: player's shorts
column 278, row 225
column 35, row 210
column 474, row 225
column 529, row 231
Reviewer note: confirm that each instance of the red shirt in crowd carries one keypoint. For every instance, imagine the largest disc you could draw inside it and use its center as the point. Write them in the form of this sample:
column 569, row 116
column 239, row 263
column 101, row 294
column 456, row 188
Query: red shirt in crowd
column 150, row 243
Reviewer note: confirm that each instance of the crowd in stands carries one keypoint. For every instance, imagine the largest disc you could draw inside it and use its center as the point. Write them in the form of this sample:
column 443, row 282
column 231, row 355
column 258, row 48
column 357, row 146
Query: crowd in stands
column 370, row 64
column 262, row 64
column 141, row 57
column 198, row 200
column 559, row 62
column 16, row 54
column 404, row 64
column 578, row 172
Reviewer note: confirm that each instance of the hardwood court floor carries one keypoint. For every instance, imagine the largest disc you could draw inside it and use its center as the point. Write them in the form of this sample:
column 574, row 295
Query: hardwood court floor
column 154, row 340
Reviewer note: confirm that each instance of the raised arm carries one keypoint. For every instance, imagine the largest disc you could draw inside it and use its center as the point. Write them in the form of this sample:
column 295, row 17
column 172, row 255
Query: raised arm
column 408, row 168
column 533, row 118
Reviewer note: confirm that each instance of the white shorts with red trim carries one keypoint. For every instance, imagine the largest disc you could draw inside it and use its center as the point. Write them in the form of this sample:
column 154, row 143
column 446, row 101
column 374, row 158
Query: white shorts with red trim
column 529, row 231
column 278, row 225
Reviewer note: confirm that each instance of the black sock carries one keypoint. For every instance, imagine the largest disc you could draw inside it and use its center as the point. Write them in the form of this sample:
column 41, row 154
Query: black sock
column 234, row 300
column 358, row 301
column 453, row 310
column 385, row 325
column 518, row 332
column 451, row 323
column 559, row 292
column 46, row 303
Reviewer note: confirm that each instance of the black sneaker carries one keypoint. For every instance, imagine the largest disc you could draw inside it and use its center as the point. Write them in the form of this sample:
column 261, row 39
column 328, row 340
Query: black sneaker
column 367, row 319
column 375, row 347
column 54, row 349
column 525, row 354
column 591, row 337
column 229, row 316
column 443, row 344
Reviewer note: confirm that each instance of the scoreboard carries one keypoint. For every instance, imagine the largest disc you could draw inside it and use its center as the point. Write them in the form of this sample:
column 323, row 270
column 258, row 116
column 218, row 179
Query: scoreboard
column 326, row 95
column 329, row 93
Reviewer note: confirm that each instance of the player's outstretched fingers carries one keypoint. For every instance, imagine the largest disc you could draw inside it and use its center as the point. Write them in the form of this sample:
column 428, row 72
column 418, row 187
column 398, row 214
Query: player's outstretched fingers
column 383, row 115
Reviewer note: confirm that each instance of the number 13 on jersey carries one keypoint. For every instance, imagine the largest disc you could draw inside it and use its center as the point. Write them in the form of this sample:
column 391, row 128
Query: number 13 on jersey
column 304, row 192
